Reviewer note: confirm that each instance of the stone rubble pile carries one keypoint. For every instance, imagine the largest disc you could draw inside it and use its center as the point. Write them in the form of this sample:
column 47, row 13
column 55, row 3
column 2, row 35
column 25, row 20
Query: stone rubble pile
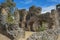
column 45, row 35
column 15, row 31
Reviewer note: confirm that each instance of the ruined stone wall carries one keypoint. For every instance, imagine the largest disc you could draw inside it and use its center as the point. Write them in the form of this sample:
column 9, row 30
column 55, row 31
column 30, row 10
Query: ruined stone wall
column 24, row 12
column 4, row 15
column 13, row 31
column 17, row 32
column 58, row 15
column 32, row 23
column 53, row 15
column 34, row 12
column 46, row 19
column 50, row 34
column 16, row 16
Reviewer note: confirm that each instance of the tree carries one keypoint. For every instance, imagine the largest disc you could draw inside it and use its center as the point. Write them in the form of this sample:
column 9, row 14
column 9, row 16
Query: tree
column 10, row 4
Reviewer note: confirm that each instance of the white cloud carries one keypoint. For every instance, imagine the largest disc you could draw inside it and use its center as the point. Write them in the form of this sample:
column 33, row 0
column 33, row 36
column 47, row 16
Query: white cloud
column 58, row 1
column 47, row 9
column 25, row 1
column 55, row 0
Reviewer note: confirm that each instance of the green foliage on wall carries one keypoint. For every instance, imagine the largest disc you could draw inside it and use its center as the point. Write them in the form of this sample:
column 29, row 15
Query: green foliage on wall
column 42, row 28
column 10, row 18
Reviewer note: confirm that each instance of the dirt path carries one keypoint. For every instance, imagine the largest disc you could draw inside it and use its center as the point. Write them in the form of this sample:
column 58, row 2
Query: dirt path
column 27, row 35
column 58, row 37
column 2, row 37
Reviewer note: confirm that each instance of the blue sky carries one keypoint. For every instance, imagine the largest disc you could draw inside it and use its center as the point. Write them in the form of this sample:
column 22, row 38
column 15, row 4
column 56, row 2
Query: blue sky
column 46, row 5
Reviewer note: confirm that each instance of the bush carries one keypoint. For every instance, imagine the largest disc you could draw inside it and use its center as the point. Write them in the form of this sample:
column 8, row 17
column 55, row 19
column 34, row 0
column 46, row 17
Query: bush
column 42, row 28
column 10, row 19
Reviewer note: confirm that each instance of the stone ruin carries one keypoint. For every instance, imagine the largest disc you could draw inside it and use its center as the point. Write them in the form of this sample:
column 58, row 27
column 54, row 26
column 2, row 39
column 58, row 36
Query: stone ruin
column 30, row 20
column 49, row 20
column 51, row 33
